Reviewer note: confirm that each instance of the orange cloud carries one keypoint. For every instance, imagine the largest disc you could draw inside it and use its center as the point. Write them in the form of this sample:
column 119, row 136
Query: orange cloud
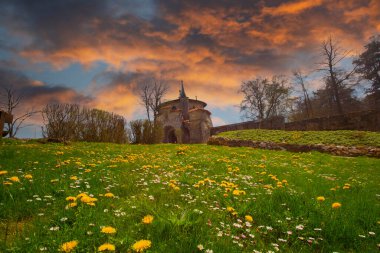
column 292, row 8
column 118, row 99
column 212, row 49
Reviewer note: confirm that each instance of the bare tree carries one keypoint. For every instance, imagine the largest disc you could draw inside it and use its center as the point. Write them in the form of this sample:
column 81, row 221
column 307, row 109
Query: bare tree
column 10, row 102
column 145, row 93
column 336, row 77
column 264, row 98
column 151, row 94
column 299, row 79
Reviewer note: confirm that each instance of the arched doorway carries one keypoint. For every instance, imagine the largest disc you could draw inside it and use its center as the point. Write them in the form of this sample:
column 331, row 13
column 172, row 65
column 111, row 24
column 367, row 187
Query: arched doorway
column 170, row 136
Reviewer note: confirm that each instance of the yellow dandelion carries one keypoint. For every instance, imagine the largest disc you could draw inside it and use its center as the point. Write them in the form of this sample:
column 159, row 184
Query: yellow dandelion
column 28, row 176
column 7, row 183
column 148, row 219
column 69, row 246
column 88, row 199
column 14, row 179
column 141, row 245
column 248, row 218
column 74, row 178
column 71, row 198
column 109, row 195
column 336, row 205
column 108, row 230
column 106, row 246
column 71, row 205
column 320, row 198
column 3, row 172
column 82, row 195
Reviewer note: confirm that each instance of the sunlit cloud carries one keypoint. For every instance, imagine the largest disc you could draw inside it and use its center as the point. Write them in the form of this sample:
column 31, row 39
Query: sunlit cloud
column 212, row 45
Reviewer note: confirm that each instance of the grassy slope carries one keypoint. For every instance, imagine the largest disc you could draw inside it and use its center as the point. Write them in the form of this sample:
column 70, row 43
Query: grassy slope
column 342, row 137
column 191, row 215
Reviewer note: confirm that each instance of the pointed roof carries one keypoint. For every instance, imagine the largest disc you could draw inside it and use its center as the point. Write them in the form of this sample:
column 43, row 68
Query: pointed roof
column 182, row 93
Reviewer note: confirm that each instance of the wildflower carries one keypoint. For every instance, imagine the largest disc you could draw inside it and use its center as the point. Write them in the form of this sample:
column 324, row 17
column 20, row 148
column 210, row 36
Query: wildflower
column 336, row 205
column 200, row 247
column 73, row 204
column 14, row 179
column 148, row 219
column 109, row 195
column 81, row 195
column 106, row 246
column 74, row 178
column 3, row 172
column 7, row 183
column 71, row 199
column 248, row 218
column 141, row 245
column 108, row 230
column 300, row 227
column 69, row 246
column 88, row 199
column 28, row 176
column 320, row 198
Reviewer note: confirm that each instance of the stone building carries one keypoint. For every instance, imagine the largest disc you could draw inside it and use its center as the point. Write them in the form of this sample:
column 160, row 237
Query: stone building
column 185, row 120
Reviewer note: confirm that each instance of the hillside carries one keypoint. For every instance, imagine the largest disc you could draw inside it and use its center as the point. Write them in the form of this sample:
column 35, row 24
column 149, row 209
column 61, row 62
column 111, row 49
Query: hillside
column 184, row 198
column 341, row 137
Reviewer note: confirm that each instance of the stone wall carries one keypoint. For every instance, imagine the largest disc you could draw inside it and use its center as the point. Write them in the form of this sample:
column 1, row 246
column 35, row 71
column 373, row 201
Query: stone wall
column 364, row 120
column 273, row 123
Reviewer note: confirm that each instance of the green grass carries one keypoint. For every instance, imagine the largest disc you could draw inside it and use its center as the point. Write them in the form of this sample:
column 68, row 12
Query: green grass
column 192, row 208
column 341, row 137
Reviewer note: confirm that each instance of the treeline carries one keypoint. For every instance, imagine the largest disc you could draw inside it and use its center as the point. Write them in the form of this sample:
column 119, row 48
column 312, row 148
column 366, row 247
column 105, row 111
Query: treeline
column 71, row 122
column 349, row 84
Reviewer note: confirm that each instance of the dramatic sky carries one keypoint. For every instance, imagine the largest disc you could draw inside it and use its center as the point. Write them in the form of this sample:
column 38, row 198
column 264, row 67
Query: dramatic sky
column 97, row 52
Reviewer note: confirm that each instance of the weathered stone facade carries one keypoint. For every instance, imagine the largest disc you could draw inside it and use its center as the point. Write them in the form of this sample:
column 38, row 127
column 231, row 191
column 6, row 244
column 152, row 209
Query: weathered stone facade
column 185, row 120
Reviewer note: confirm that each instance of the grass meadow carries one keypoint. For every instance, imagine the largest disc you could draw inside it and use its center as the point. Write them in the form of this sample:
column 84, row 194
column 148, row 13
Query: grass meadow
column 98, row 197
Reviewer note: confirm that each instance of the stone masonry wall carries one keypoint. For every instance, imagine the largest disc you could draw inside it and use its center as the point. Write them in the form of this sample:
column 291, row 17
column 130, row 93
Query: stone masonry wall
column 364, row 120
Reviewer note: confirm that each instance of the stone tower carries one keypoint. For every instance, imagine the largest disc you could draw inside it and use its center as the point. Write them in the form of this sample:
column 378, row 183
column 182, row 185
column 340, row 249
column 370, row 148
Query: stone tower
column 185, row 120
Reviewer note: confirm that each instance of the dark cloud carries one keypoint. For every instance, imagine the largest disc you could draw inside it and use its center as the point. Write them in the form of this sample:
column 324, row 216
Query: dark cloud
column 37, row 94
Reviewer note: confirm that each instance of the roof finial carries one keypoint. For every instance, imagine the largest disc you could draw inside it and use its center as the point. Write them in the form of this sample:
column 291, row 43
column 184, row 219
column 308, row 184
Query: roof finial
column 182, row 93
